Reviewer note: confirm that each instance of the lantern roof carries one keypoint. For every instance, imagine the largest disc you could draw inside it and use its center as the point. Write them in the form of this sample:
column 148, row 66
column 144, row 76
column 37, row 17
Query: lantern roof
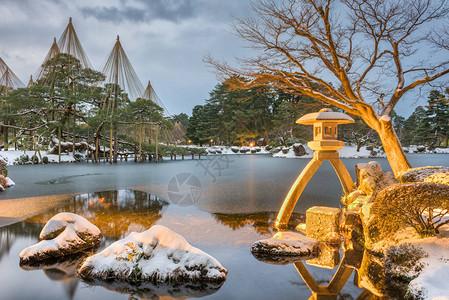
column 325, row 114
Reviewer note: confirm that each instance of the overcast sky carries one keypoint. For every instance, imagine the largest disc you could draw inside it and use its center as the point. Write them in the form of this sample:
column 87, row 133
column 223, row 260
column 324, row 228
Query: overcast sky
column 165, row 40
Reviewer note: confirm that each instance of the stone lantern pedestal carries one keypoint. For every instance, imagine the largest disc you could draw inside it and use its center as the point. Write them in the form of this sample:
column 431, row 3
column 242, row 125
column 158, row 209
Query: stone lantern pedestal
column 325, row 145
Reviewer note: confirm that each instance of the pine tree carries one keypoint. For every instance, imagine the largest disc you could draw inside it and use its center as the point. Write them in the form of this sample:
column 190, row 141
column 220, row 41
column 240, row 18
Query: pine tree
column 438, row 115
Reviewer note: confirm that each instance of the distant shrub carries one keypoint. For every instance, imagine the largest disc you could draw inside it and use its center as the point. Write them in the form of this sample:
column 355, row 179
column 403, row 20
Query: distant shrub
column 78, row 157
column 293, row 140
column 34, row 159
column 45, row 160
column 24, row 158
column 421, row 205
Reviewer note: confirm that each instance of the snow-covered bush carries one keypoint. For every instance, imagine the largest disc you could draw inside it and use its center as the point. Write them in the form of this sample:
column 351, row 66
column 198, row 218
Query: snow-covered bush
column 35, row 159
column 78, row 157
column 421, row 205
column 293, row 140
column 24, row 158
column 244, row 149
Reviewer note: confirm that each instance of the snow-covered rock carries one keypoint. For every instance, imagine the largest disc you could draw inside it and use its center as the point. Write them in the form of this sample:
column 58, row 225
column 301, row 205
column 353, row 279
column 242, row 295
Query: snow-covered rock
column 371, row 180
column 299, row 149
column 155, row 255
column 285, row 247
column 64, row 234
column 420, row 174
column 441, row 178
column 5, row 182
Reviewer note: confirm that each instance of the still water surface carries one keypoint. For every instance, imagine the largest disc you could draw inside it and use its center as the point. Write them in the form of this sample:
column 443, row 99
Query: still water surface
column 236, row 205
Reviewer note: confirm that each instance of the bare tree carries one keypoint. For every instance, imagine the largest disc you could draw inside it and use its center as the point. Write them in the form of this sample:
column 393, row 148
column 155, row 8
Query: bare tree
column 363, row 54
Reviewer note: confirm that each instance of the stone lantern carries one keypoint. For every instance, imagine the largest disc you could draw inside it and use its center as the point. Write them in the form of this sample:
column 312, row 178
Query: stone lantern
column 325, row 131
column 325, row 145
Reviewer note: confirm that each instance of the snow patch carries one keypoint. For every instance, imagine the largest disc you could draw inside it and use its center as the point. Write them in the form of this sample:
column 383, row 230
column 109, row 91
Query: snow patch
column 9, row 182
column 432, row 281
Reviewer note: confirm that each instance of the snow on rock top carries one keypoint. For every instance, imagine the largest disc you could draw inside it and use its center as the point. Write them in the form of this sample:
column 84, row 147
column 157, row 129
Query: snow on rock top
column 283, row 245
column 59, row 222
column 64, row 234
column 421, row 173
column 155, row 255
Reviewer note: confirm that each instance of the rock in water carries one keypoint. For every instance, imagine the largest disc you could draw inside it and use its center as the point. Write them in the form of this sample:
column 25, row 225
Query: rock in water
column 285, row 247
column 155, row 255
column 64, row 234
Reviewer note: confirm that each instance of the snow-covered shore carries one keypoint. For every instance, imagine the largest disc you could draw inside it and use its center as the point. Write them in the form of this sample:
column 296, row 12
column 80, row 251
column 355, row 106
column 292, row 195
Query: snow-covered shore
column 346, row 152
column 11, row 156
column 349, row 151
column 431, row 281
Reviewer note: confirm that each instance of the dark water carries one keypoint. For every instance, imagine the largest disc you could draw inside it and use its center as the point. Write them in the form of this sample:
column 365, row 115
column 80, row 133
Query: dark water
column 227, row 237
column 229, row 184
column 224, row 206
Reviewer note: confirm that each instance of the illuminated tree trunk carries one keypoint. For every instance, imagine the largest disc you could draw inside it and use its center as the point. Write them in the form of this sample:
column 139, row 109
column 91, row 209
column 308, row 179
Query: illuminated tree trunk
column 390, row 141
column 392, row 147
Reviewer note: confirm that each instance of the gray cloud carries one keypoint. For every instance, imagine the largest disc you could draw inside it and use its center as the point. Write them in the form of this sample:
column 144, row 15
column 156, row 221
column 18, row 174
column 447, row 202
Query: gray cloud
column 142, row 11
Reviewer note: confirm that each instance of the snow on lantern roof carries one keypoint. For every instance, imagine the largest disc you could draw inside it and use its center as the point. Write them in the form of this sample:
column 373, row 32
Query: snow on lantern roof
column 325, row 114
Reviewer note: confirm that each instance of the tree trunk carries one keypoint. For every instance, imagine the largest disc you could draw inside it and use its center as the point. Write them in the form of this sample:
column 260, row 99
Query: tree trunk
column 392, row 147
column 115, row 146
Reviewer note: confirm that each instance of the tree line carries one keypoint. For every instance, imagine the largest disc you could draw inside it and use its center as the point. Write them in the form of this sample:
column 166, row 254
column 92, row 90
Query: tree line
column 267, row 115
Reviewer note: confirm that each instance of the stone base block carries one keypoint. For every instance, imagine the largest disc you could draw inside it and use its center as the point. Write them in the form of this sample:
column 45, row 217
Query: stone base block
column 321, row 220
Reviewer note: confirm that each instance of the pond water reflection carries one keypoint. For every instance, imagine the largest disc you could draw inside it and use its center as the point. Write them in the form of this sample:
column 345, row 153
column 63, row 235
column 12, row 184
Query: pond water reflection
column 227, row 237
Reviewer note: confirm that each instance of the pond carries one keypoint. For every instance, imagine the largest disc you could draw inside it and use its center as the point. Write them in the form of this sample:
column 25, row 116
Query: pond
column 221, row 213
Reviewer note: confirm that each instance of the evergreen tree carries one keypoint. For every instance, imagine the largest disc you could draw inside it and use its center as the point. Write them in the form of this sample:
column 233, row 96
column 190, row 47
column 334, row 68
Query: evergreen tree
column 438, row 117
